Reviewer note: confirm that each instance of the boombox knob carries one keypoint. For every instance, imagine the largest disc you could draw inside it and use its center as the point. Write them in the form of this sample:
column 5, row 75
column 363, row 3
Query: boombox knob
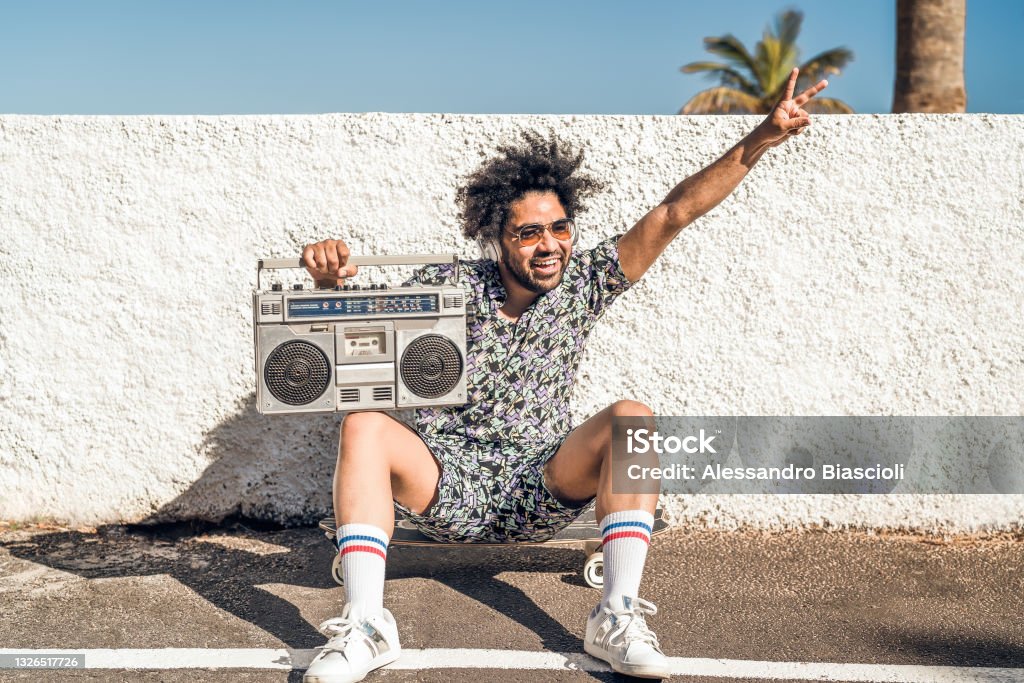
column 356, row 287
column 297, row 286
column 276, row 287
column 338, row 288
column 407, row 284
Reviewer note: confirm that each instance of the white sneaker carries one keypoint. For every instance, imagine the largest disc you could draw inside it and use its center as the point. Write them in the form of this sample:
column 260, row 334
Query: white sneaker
column 619, row 635
column 357, row 646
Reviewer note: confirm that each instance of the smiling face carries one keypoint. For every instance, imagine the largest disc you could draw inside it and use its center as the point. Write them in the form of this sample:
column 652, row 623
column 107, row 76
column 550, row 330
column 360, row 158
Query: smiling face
column 539, row 267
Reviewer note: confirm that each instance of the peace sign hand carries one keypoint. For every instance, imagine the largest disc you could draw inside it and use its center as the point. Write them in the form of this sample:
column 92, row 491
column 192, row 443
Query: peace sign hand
column 788, row 117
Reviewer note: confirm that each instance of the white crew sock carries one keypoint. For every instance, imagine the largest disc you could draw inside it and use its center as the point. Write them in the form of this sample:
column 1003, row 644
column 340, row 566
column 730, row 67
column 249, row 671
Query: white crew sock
column 363, row 549
column 625, row 536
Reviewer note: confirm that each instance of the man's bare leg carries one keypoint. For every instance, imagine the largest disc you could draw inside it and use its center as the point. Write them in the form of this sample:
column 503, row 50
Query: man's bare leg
column 582, row 466
column 380, row 460
column 616, row 630
column 378, row 457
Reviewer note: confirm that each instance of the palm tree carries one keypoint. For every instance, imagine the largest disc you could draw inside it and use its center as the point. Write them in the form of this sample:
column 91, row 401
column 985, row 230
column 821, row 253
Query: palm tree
column 753, row 85
column 930, row 56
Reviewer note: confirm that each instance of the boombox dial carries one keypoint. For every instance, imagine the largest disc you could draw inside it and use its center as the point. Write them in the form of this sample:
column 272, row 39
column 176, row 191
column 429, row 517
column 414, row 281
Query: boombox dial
column 431, row 366
column 297, row 373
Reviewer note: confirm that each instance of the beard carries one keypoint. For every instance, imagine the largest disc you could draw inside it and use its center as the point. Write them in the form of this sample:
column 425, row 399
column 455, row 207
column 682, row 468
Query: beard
column 526, row 277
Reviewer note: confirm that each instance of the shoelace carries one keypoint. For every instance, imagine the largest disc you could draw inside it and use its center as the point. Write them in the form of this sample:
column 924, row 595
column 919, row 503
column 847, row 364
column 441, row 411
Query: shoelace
column 335, row 628
column 633, row 626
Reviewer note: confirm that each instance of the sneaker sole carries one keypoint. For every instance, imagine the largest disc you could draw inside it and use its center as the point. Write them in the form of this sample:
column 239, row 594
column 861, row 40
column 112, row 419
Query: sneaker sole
column 636, row 670
column 384, row 660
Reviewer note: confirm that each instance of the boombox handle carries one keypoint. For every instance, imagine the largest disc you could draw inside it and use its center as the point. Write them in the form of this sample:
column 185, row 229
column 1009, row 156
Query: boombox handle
column 405, row 260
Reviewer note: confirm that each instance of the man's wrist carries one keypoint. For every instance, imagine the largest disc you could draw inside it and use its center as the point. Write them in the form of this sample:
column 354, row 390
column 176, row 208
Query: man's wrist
column 754, row 145
column 760, row 137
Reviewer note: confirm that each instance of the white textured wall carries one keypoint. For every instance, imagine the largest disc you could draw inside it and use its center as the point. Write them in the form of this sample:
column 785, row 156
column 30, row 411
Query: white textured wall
column 873, row 266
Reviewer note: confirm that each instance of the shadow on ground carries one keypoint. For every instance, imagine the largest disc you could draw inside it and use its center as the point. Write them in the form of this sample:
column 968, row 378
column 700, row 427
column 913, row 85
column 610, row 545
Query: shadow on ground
column 732, row 595
column 257, row 463
column 230, row 578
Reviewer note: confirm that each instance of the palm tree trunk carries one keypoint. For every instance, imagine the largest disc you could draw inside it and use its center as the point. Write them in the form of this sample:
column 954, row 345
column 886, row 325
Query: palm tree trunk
column 930, row 56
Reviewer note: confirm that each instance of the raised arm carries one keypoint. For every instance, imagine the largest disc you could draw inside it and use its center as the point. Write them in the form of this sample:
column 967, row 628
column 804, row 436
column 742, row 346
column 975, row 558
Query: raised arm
column 689, row 200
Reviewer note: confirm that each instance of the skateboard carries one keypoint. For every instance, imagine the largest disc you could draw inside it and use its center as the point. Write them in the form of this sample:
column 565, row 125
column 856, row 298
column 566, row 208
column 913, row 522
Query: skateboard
column 584, row 533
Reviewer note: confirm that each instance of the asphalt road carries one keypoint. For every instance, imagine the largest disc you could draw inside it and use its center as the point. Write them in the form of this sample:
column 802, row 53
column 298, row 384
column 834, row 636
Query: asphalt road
column 833, row 598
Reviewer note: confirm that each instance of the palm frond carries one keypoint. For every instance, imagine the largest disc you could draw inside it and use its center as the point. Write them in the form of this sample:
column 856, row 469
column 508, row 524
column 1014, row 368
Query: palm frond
column 827, row 105
column 723, row 100
column 787, row 26
column 822, row 65
column 763, row 59
column 728, row 75
column 774, row 64
column 729, row 47
column 773, row 58
column 694, row 67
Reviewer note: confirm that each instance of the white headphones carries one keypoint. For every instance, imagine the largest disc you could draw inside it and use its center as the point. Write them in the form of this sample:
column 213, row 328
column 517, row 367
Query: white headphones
column 488, row 248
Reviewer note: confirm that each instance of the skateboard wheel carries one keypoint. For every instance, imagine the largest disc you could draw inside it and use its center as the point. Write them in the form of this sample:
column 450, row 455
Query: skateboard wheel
column 336, row 574
column 593, row 570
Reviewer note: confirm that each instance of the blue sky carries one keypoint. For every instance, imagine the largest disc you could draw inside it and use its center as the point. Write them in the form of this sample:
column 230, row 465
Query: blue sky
column 555, row 57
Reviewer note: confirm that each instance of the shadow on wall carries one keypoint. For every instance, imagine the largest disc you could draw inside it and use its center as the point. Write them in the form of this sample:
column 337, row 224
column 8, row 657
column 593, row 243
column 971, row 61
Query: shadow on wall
column 276, row 468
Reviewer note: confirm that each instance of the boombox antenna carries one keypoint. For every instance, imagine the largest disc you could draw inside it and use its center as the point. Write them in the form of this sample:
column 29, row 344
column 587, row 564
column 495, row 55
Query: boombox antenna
column 401, row 260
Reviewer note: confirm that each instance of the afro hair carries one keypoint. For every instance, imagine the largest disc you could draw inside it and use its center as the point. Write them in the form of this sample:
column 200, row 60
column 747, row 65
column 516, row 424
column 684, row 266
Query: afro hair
column 534, row 164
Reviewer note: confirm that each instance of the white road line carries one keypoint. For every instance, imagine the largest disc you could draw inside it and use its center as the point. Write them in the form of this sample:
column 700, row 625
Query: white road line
column 286, row 659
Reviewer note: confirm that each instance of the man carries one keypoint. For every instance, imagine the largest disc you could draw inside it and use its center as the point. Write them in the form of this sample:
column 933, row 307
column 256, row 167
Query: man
column 507, row 465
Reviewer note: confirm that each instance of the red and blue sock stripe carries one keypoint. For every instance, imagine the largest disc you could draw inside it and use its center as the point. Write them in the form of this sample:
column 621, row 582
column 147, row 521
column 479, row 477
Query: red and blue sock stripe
column 353, row 543
column 628, row 529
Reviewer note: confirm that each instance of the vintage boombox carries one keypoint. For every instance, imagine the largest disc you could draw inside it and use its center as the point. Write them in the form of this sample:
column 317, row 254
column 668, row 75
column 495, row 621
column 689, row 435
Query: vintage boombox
column 352, row 347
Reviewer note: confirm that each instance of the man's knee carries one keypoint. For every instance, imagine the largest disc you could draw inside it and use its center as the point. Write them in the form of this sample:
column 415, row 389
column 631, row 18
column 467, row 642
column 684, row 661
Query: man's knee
column 628, row 408
column 629, row 414
column 359, row 428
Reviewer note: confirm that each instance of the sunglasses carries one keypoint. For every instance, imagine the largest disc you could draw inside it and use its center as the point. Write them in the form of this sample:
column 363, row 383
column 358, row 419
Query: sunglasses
column 528, row 235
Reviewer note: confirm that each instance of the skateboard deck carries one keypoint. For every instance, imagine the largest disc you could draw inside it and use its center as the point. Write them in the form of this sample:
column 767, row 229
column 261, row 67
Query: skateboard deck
column 583, row 530
column 583, row 533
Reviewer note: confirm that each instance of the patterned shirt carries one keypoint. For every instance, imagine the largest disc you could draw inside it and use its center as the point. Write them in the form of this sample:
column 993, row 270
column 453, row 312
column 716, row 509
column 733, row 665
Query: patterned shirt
column 520, row 375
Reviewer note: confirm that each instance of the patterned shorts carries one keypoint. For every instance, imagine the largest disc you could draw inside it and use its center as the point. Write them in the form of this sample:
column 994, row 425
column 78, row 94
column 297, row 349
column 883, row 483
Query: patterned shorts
column 491, row 493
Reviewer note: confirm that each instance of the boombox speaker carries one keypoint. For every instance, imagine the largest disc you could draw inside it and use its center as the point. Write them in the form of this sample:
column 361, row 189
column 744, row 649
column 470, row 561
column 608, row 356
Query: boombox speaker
column 358, row 347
